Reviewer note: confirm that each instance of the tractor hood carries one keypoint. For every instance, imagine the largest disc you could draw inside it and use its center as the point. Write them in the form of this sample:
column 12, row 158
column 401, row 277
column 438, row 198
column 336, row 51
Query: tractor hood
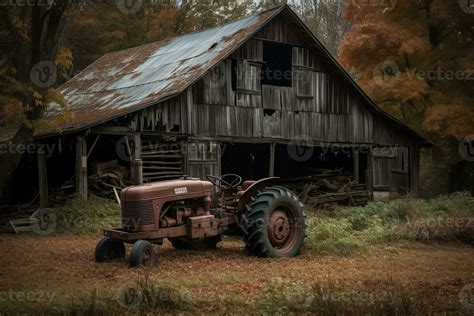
column 171, row 189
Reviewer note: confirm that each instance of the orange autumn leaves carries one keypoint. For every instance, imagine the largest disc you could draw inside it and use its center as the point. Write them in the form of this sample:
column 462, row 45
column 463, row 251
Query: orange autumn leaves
column 415, row 59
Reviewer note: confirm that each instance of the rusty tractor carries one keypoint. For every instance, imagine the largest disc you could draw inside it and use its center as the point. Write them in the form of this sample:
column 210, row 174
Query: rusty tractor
column 192, row 212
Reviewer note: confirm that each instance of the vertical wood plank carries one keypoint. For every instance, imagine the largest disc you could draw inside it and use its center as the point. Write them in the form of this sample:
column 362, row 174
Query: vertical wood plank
column 42, row 179
column 81, row 167
column 272, row 160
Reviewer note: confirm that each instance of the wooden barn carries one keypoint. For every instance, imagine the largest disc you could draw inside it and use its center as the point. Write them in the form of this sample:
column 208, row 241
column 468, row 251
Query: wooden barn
column 258, row 97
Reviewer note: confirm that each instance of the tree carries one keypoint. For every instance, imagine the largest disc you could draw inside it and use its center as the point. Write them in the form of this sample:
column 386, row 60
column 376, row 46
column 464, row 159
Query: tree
column 325, row 19
column 28, row 63
column 415, row 59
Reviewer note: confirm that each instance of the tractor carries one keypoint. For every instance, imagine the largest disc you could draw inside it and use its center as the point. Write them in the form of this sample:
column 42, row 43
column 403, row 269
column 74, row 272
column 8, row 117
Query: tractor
column 191, row 212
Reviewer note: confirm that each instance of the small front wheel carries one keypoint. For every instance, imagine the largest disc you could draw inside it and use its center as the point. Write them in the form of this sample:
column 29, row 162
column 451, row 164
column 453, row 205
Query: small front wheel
column 143, row 254
column 109, row 249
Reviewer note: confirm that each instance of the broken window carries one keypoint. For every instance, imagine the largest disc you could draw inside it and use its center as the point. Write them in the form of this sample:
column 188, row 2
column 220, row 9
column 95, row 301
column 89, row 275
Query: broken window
column 276, row 70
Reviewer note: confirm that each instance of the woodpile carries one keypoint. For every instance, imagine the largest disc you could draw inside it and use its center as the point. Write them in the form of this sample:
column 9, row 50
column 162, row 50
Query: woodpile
column 107, row 179
column 328, row 188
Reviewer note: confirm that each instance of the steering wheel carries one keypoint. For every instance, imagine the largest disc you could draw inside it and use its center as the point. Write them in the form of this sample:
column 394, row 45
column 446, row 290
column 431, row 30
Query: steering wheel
column 223, row 184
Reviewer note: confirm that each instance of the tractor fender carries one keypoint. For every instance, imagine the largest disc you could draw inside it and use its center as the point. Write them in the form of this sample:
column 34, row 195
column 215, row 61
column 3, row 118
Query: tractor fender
column 253, row 190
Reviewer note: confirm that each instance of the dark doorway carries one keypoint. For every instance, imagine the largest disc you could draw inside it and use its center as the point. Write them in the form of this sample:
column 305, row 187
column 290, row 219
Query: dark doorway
column 299, row 161
column 250, row 161
column 363, row 167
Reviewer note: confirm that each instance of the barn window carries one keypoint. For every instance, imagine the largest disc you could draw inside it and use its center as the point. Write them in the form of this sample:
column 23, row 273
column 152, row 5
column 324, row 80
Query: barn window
column 276, row 70
column 245, row 76
column 304, row 83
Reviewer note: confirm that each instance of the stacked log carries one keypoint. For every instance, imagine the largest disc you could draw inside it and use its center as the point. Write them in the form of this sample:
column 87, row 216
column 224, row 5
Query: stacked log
column 328, row 188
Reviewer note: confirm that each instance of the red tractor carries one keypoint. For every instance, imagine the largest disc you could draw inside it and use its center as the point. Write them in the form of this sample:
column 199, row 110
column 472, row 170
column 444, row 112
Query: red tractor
column 191, row 211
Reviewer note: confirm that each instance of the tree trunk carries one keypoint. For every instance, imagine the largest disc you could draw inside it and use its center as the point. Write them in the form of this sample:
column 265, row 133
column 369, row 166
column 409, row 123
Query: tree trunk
column 44, row 26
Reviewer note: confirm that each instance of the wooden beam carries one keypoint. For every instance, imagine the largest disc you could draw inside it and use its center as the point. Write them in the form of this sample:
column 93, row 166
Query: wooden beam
column 136, row 164
column 81, row 167
column 42, row 179
column 355, row 154
column 271, row 168
column 93, row 145
column 414, row 169
column 370, row 174
column 189, row 107
column 111, row 130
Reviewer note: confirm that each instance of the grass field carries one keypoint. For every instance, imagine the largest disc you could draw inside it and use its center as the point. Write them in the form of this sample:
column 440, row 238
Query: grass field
column 404, row 257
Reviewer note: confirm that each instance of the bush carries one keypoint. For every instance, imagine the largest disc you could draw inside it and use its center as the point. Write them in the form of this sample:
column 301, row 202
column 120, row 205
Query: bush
column 86, row 217
column 351, row 229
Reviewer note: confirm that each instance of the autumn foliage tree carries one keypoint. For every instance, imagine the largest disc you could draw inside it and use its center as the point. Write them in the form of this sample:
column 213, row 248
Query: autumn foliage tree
column 416, row 60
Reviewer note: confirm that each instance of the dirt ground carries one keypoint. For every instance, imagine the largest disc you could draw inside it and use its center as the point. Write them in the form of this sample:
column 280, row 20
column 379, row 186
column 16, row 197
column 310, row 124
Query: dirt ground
column 57, row 272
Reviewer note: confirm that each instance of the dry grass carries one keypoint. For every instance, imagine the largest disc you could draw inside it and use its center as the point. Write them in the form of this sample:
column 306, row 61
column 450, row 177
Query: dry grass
column 396, row 278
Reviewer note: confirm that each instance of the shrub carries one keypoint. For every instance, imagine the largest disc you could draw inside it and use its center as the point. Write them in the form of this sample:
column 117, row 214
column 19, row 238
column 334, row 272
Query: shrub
column 86, row 217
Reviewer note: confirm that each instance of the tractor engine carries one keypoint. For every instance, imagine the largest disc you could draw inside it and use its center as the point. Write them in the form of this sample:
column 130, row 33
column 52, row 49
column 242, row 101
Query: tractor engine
column 164, row 204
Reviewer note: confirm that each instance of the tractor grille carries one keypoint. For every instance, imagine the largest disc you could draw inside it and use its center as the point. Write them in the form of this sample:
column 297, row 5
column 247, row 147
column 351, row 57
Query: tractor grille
column 137, row 213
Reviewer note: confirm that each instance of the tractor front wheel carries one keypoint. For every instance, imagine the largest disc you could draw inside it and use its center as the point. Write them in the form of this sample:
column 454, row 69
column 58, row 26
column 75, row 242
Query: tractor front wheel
column 109, row 249
column 142, row 254
column 274, row 225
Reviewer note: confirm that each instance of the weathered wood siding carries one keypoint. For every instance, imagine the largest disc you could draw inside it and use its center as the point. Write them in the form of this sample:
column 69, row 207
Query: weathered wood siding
column 230, row 101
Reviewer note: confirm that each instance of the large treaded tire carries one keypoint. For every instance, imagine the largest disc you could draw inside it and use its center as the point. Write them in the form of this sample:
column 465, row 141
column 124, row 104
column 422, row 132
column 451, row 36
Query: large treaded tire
column 109, row 249
column 284, row 238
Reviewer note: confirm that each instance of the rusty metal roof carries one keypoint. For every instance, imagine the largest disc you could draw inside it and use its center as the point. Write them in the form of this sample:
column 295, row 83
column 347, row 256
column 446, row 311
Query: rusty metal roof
column 125, row 81
column 122, row 82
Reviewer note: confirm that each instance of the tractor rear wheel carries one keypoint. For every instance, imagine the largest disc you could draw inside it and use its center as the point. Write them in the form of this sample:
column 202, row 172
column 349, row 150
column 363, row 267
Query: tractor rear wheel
column 274, row 224
column 142, row 254
column 109, row 249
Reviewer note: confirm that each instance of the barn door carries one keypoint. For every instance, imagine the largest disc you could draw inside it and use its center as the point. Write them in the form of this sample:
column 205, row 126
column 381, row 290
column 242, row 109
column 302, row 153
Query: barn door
column 203, row 159
column 400, row 176
column 382, row 168
column 390, row 169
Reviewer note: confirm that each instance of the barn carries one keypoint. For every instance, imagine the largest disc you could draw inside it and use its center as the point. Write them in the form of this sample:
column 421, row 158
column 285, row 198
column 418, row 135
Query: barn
column 257, row 97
